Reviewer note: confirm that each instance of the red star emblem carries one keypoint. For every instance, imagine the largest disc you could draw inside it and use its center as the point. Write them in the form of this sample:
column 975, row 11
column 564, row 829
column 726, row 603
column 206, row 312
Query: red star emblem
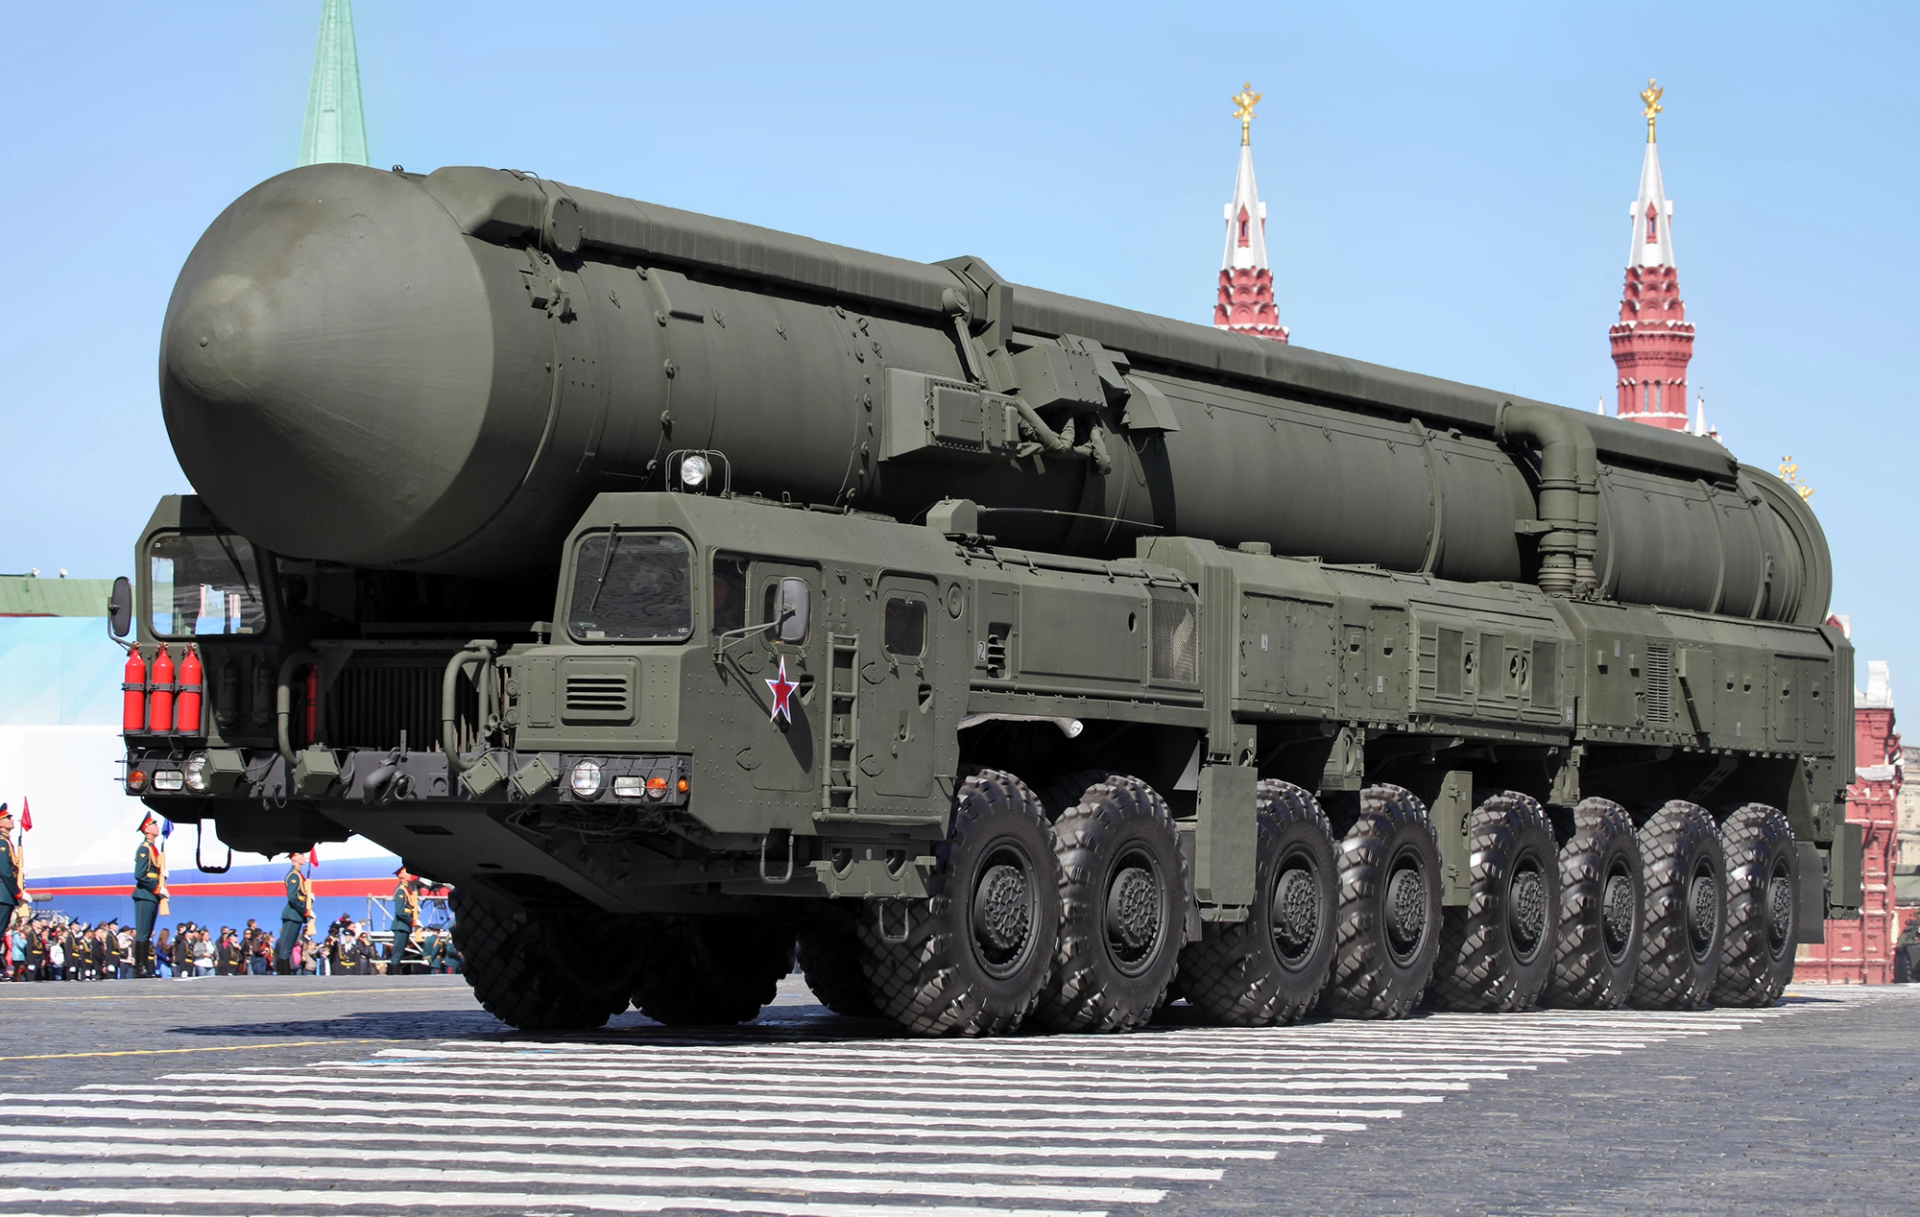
column 782, row 694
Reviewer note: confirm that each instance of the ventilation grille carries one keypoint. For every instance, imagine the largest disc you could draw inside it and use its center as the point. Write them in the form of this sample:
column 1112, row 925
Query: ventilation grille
column 599, row 697
column 376, row 698
column 1176, row 636
column 1659, row 684
column 994, row 651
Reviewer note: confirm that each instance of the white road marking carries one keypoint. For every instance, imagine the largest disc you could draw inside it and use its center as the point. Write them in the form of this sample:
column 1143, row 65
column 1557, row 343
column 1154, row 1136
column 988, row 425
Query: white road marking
column 745, row 1114
column 778, row 1091
column 151, row 1170
column 255, row 1199
column 789, row 1126
column 592, row 1075
column 68, row 1146
column 1019, row 1132
column 741, row 1145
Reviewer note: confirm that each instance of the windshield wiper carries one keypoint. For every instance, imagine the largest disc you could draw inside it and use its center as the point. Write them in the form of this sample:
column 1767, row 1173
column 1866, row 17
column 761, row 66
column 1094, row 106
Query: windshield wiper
column 606, row 564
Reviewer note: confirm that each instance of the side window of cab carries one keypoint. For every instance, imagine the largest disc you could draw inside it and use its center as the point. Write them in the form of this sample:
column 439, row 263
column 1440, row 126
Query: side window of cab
column 904, row 630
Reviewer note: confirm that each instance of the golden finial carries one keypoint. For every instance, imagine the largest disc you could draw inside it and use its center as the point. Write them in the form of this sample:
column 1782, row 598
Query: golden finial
column 1790, row 474
column 1650, row 96
column 1243, row 103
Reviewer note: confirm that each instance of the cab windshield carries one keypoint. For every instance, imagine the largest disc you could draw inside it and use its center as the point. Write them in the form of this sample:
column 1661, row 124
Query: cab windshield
column 204, row 583
column 631, row 587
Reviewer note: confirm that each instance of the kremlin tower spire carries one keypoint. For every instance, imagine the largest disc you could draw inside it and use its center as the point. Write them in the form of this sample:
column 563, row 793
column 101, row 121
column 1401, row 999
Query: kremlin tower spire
column 1245, row 302
column 1653, row 340
column 336, row 130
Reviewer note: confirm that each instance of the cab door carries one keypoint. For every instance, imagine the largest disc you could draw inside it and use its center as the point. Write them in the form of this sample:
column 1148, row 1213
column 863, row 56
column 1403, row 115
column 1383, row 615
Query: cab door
column 776, row 709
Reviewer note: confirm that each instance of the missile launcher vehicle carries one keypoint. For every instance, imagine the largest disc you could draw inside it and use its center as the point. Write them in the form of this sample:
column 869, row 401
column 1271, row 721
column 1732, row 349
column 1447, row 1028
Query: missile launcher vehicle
column 695, row 597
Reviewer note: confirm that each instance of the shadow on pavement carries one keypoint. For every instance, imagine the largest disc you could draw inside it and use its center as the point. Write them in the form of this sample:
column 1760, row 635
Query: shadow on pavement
column 386, row 1024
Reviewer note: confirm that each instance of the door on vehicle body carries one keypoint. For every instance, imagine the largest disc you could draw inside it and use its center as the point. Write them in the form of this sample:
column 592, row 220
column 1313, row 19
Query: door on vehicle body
column 779, row 746
column 895, row 748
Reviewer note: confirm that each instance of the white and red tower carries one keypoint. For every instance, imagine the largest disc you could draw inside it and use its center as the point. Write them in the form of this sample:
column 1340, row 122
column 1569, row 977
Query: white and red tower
column 1653, row 340
column 1245, row 301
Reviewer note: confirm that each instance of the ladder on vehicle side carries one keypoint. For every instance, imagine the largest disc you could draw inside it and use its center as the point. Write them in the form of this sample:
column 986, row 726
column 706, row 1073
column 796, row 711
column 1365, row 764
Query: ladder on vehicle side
column 837, row 792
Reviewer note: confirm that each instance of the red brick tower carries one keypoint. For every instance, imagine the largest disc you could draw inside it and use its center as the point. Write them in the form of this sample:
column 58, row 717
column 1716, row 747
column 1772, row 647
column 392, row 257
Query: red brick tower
column 1653, row 340
column 1245, row 302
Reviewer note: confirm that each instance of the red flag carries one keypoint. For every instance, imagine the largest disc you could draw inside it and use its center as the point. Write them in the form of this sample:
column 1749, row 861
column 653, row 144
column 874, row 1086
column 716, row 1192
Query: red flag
column 313, row 856
column 26, row 816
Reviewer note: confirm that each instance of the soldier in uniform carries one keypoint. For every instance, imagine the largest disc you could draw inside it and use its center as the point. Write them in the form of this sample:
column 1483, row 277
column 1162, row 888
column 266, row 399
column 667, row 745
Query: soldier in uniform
column 406, row 919
column 149, row 889
column 296, row 918
column 13, row 884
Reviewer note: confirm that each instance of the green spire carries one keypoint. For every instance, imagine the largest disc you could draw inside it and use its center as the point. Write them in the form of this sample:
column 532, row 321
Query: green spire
column 336, row 130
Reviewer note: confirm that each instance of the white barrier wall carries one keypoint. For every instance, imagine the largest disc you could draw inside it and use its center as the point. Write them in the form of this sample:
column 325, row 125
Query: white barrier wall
column 60, row 754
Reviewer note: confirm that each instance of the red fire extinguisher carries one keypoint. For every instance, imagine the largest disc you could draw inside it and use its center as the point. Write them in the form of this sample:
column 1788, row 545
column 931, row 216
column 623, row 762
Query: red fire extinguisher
column 186, row 705
column 160, row 704
column 133, row 693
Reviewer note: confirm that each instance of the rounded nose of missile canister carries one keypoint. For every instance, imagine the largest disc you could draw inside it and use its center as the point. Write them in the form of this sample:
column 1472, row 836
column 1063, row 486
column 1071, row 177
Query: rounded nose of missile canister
column 325, row 370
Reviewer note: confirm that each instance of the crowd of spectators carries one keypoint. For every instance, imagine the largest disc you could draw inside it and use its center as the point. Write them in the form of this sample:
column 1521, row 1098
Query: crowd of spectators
column 53, row 947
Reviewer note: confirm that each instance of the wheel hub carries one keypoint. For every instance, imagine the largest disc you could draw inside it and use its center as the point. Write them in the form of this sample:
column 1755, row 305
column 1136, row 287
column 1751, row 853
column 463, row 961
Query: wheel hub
column 1779, row 913
column 1616, row 913
column 1527, row 911
column 1002, row 911
column 1406, row 909
column 1133, row 913
column 1703, row 909
column 1296, row 914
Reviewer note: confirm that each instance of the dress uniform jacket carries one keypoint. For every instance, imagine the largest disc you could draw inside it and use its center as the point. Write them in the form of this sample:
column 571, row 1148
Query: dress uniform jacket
column 148, row 873
column 12, row 882
column 406, row 917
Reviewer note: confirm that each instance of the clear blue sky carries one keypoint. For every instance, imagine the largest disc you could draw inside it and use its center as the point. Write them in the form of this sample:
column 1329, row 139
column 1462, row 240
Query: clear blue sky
column 1447, row 190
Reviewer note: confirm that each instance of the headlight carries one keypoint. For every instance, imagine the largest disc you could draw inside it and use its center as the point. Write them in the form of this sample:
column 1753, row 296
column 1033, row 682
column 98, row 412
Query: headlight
column 694, row 471
column 168, row 779
column 586, row 779
column 629, row 786
column 196, row 773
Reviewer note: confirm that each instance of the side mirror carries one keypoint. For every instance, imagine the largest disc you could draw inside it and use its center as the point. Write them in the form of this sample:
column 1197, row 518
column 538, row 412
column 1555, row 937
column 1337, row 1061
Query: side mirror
column 792, row 624
column 120, row 608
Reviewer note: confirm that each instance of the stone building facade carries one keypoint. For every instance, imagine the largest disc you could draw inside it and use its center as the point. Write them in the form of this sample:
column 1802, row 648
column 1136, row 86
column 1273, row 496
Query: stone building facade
column 1859, row 950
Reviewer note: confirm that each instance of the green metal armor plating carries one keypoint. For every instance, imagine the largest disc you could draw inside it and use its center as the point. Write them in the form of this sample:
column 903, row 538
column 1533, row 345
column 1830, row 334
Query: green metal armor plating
column 597, row 556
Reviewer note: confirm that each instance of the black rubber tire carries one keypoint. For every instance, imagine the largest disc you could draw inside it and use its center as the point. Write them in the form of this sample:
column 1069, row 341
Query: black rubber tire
column 1387, row 928
column 1763, row 891
column 1496, row 951
column 1685, row 913
column 711, row 971
column 1123, row 908
column 1256, row 973
column 943, row 979
column 828, row 953
column 1602, row 901
column 549, row 970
